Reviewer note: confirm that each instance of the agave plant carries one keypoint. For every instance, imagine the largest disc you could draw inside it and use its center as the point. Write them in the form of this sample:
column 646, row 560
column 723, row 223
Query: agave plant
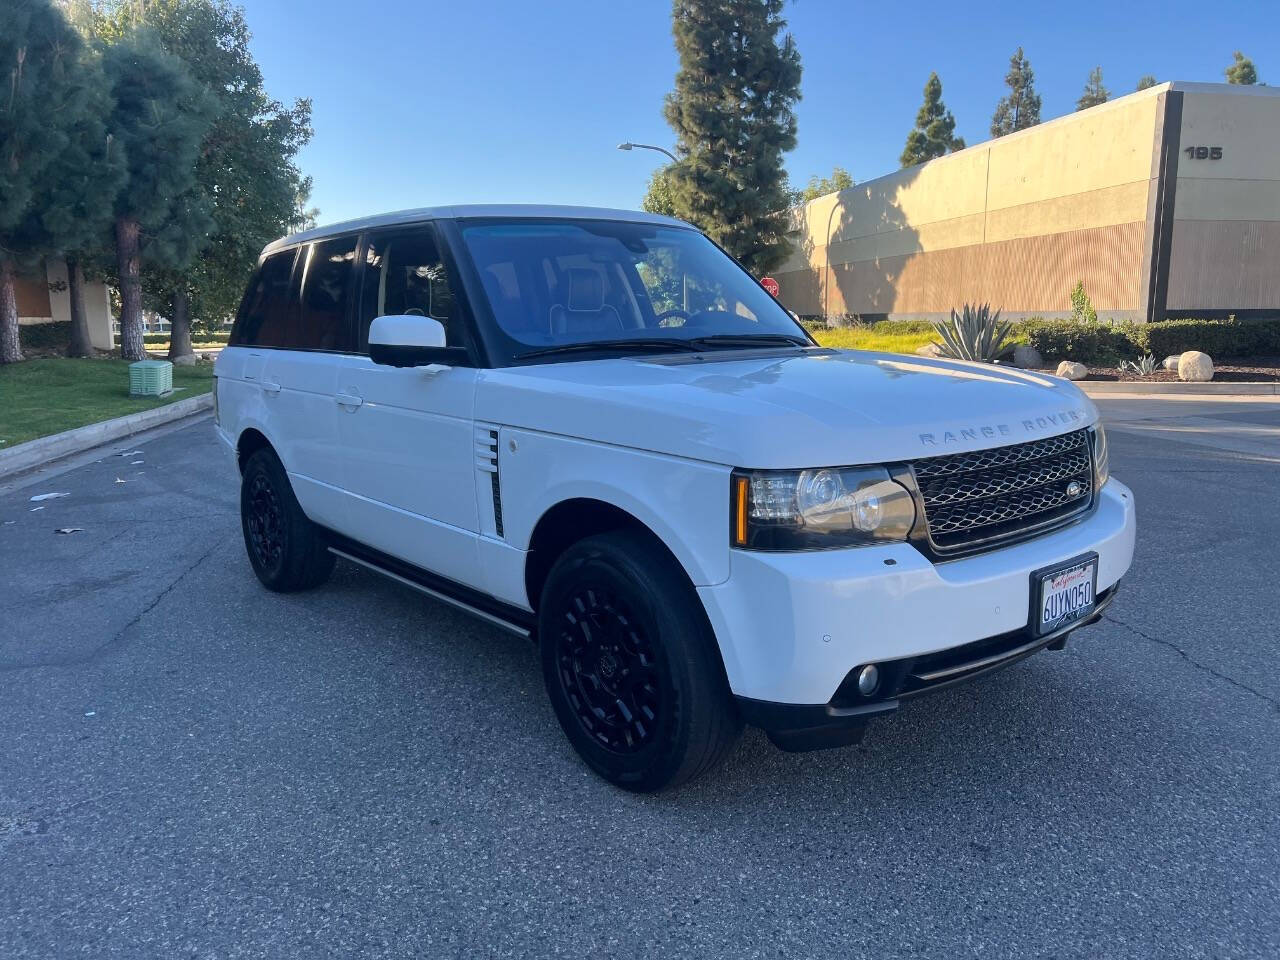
column 1143, row 367
column 974, row 334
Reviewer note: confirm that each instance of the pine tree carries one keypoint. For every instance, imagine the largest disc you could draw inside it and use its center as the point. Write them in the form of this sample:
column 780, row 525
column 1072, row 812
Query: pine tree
column 1020, row 108
column 1094, row 92
column 1145, row 82
column 41, row 106
column 733, row 114
column 246, row 177
column 160, row 117
column 1242, row 70
column 934, row 133
column 75, row 203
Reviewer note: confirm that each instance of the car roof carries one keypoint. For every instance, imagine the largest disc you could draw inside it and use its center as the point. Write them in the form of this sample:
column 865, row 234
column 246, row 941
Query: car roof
column 531, row 210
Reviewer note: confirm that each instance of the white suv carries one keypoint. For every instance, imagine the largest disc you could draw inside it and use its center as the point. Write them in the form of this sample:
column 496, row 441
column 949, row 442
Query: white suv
column 594, row 429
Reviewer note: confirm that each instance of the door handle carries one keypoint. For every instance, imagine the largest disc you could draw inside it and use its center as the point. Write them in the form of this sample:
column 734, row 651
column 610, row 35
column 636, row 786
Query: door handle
column 349, row 400
column 269, row 387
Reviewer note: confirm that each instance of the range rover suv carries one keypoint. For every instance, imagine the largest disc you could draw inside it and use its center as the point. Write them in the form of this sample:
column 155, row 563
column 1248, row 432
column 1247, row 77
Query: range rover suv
column 594, row 429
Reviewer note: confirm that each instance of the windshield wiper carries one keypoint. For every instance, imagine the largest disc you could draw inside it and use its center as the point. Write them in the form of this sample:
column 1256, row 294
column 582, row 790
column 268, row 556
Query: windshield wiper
column 750, row 340
column 650, row 344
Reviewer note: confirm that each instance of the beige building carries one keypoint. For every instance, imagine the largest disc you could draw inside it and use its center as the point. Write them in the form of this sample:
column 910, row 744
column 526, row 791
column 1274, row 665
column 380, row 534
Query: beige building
column 43, row 297
column 1164, row 203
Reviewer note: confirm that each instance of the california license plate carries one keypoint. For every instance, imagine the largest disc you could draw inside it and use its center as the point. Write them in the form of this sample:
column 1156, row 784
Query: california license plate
column 1064, row 594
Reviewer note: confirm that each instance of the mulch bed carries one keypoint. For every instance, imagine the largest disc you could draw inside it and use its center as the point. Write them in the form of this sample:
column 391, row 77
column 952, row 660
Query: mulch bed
column 1257, row 370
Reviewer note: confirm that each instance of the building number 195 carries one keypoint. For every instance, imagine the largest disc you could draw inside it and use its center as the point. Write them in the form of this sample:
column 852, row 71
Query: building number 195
column 1203, row 153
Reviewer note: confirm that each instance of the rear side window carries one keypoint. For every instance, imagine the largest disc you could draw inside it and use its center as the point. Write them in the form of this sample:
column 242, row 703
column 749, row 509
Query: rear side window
column 264, row 315
column 326, row 297
column 404, row 274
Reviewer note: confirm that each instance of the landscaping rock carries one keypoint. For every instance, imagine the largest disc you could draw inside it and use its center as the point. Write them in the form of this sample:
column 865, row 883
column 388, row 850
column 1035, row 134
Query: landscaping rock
column 1072, row 371
column 1195, row 367
column 1171, row 363
column 929, row 350
column 1027, row 357
column 187, row 361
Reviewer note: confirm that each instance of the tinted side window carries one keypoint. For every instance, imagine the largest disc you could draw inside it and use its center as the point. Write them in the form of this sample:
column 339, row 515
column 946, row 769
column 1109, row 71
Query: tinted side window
column 404, row 274
column 264, row 312
column 326, row 294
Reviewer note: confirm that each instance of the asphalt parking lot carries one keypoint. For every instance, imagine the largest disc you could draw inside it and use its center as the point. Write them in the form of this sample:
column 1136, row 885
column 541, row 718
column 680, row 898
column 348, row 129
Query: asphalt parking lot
column 192, row 766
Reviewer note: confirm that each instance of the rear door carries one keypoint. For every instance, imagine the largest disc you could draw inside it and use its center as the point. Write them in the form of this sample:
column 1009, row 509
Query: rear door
column 293, row 341
column 406, row 434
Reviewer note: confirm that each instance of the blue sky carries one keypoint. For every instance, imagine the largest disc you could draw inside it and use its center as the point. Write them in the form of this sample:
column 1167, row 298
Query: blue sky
column 421, row 102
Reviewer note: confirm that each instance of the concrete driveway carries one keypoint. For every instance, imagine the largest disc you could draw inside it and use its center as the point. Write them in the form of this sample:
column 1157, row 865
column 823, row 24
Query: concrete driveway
column 192, row 766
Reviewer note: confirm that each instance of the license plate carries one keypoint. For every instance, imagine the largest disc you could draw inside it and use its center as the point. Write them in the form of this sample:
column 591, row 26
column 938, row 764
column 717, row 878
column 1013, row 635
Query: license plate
column 1063, row 594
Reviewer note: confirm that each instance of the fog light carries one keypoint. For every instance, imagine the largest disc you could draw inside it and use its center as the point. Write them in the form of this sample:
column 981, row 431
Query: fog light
column 868, row 679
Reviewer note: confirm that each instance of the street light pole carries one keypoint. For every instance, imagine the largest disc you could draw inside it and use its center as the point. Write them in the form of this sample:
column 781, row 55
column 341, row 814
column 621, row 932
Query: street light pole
column 647, row 146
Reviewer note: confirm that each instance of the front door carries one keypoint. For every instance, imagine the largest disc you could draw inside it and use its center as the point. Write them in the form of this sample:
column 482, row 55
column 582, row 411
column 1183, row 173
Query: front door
column 407, row 432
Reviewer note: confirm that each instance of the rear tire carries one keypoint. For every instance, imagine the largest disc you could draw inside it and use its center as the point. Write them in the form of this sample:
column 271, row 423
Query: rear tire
column 631, row 666
column 287, row 551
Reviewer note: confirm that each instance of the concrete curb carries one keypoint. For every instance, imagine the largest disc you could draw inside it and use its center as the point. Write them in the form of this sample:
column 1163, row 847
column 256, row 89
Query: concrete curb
column 34, row 453
column 1095, row 388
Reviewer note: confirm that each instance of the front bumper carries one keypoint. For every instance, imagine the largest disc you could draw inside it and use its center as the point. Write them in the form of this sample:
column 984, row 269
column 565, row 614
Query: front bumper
column 803, row 726
column 791, row 626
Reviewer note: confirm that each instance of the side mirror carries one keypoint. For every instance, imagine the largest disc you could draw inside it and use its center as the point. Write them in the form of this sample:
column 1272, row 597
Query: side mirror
column 412, row 341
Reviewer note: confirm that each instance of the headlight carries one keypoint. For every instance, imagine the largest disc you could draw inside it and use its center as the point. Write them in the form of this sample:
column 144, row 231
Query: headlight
column 818, row 509
column 1101, row 466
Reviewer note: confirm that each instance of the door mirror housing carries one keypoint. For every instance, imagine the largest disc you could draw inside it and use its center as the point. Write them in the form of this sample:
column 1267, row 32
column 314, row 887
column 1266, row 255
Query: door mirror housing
column 408, row 340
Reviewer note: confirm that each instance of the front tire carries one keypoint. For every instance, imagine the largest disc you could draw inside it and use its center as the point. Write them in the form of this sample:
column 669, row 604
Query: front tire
column 631, row 665
column 287, row 551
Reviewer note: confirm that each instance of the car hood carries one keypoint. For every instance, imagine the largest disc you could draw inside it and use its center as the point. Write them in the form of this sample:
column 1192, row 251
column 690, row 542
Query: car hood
column 767, row 409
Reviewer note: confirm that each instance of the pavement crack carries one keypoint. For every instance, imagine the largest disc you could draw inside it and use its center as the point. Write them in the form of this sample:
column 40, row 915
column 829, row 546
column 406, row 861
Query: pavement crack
column 155, row 602
column 1275, row 704
column 104, row 648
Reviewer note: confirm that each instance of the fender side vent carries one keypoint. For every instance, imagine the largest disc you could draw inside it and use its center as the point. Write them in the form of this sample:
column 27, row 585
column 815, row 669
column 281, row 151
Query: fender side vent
column 487, row 460
column 497, row 505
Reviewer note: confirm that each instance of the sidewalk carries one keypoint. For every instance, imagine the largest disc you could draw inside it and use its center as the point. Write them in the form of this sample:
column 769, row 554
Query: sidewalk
column 1104, row 388
column 1248, row 425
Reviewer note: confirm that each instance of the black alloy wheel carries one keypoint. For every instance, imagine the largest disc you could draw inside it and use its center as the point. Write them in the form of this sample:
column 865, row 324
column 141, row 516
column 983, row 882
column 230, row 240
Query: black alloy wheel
column 630, row 664
column 608, row 670
column 287, row 551
column 265, row 524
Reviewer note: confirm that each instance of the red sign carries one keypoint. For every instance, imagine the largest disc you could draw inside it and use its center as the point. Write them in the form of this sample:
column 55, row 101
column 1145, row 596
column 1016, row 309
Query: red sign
column 770, row 284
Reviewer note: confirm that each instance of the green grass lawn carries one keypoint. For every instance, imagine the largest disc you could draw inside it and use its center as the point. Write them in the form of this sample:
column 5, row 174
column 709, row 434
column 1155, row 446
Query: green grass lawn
column 854, row 338
column 40, row 397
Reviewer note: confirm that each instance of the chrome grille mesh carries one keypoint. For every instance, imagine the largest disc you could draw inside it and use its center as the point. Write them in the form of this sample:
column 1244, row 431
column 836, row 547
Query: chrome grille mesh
column 992, row 495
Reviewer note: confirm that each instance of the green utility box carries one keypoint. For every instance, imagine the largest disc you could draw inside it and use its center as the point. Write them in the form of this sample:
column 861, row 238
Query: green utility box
column 150, row 378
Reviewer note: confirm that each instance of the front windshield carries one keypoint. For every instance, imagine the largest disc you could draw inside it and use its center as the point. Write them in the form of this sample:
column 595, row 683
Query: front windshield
column 556, row 284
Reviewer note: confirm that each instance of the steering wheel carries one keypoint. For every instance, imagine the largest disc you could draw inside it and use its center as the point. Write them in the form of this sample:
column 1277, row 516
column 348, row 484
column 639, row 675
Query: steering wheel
column 674, row 312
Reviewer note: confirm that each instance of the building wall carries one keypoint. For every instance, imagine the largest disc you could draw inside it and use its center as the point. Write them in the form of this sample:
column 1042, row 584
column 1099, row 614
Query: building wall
column 1225, row 252
column 1015, row 222
column 32, row 293
column 43, row 297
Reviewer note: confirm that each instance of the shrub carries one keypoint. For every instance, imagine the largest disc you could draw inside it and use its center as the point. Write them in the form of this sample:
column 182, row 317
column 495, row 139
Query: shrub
column 220, row 337
column 1219, row 338
column 1109, row 344
column 45, row 336
column 1091, row 343
column 1081, row 306
column 975, row 334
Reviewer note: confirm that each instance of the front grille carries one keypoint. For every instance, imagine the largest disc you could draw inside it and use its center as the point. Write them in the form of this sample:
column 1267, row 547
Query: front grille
column 989, row 496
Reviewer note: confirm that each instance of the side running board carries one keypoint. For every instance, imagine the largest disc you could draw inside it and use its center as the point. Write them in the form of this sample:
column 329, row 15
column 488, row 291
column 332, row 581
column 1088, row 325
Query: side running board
column 517, row 622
